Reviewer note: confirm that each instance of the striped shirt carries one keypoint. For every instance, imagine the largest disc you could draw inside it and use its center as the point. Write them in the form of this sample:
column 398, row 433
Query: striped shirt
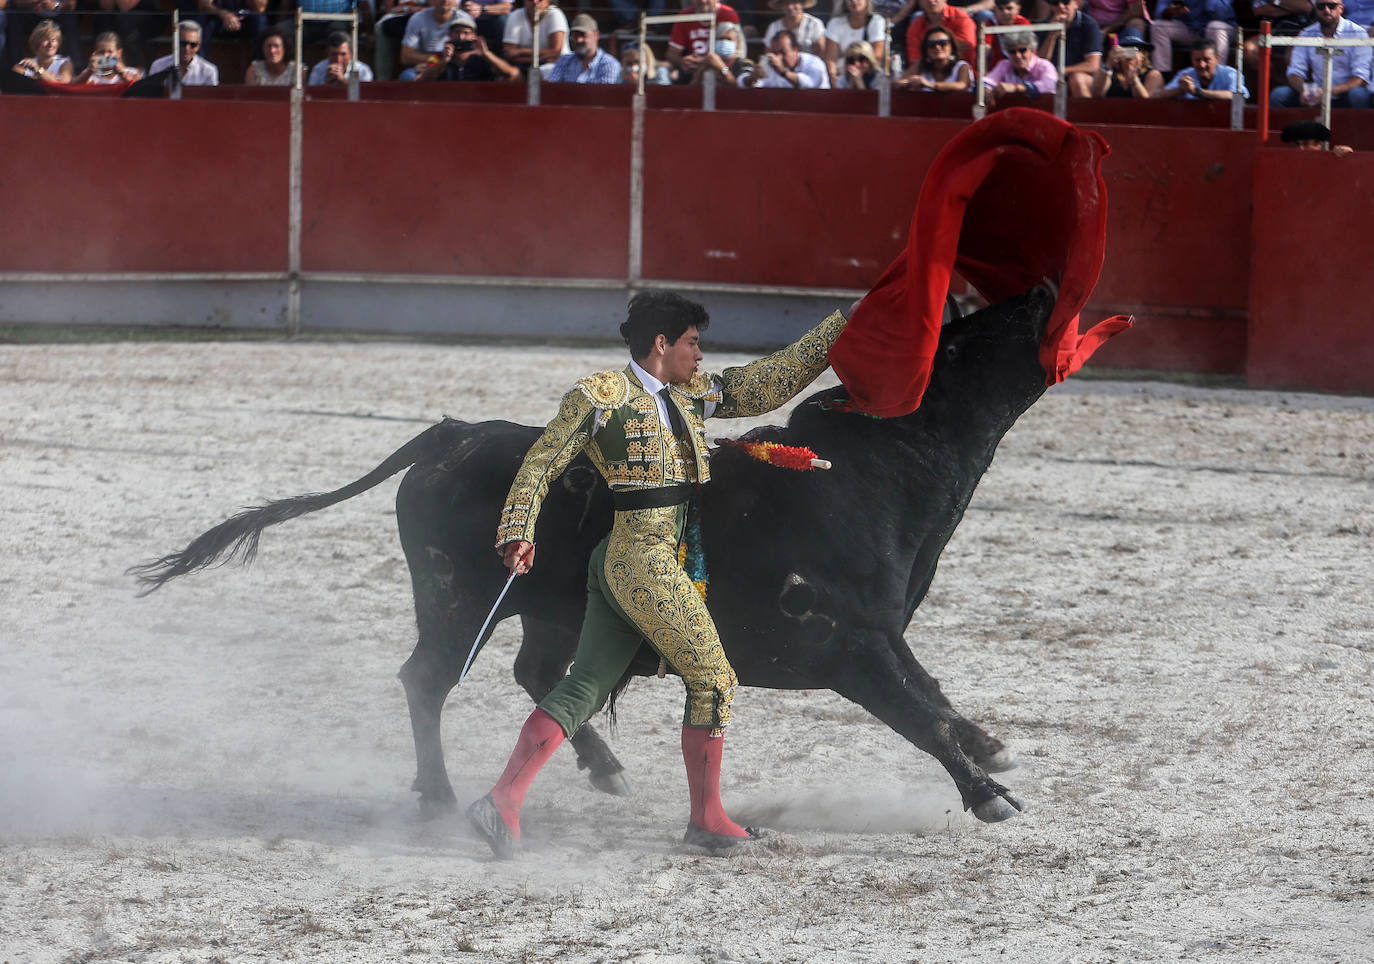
column 604, row 69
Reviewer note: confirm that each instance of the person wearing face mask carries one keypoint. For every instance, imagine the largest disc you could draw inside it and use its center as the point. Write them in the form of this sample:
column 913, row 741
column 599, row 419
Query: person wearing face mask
column 726, row 59
column 587, row 63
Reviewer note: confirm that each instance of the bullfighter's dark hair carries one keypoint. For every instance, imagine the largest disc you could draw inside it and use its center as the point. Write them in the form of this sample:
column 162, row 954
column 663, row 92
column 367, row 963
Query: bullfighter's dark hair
column 654, row 312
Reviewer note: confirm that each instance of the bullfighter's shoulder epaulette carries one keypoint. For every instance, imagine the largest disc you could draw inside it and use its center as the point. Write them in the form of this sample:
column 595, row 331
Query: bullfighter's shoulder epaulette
column 605, row 389
column 698, row 386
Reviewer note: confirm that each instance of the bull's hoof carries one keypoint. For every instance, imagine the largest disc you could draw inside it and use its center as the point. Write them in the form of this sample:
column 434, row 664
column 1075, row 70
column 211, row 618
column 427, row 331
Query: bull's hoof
column 613, row 783
column 999, row 762
column 437, row 805
column 995, row 810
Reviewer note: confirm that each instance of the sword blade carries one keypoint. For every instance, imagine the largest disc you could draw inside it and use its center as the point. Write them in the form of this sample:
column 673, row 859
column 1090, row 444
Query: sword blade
column 483, row 631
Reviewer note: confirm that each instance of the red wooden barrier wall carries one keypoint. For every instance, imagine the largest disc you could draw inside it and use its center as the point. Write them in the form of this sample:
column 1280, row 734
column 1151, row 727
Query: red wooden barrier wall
column 1312, row 286
column 786, row 198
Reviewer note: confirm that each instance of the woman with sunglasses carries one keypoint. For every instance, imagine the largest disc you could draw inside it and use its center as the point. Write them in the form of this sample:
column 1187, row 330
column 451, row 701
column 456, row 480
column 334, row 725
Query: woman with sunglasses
column 1023, row 72
column 939, row 68
column 860, row 67
column 859, row 23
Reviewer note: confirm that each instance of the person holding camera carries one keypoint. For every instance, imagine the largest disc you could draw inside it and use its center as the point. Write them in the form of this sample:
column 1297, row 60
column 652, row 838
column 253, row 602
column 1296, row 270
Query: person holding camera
column 466, row 56
column 1129, row 72
column 107, row 63
column 1187, row 21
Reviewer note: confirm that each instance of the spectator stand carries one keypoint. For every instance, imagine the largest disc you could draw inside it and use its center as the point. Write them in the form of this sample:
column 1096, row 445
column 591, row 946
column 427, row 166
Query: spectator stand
column 351, row 18
column 1326, row 45
column 1061, row 87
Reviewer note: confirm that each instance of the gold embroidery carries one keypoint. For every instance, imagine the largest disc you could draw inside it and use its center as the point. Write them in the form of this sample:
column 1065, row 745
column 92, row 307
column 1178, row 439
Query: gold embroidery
column 763, row 385
column 605, row 390
column 564, row 437
column 643, row 575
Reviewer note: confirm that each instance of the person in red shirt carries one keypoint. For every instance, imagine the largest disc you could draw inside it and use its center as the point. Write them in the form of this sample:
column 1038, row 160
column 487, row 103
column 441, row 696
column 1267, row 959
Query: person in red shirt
column 690, row 42
column 953, row 19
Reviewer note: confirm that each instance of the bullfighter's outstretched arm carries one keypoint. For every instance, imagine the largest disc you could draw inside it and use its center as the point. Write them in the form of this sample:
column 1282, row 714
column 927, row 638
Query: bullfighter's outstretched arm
column 761, row 386
column 564, row 437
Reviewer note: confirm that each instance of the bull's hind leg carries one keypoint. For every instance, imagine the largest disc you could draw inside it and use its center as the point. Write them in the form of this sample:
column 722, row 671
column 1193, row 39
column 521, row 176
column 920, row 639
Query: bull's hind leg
column 872, row 675
column 545, row 653
column 984, row 749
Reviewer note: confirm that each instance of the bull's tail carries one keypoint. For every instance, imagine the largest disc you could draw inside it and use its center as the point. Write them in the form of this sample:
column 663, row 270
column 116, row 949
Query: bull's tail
column 236, row 538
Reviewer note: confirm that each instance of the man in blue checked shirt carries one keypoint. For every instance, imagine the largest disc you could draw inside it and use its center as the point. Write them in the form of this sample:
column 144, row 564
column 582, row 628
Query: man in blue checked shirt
column 1206, row 79
column 1350, row 66
column 587, row 63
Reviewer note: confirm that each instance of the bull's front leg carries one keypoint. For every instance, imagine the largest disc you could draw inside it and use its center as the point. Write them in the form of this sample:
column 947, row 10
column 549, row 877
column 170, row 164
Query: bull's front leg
column 869, row 672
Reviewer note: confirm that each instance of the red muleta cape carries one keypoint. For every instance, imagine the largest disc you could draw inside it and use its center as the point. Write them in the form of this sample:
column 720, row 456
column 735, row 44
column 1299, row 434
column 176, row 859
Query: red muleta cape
column 1014, row 199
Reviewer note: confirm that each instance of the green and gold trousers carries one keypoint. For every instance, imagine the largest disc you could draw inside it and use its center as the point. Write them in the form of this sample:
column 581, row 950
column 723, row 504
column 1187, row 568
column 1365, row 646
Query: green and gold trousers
column 637, row 591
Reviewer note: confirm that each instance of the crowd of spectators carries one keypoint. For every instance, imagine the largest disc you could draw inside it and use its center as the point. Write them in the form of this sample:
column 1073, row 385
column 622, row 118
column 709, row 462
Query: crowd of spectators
column 1112, row 48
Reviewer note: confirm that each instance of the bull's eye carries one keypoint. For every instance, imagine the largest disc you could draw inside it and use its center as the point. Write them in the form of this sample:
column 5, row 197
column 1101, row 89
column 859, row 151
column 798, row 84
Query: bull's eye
column 951, row 352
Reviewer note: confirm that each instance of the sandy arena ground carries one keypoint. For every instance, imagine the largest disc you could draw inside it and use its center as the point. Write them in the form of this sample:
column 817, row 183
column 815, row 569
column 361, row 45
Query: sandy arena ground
column 1160, row 598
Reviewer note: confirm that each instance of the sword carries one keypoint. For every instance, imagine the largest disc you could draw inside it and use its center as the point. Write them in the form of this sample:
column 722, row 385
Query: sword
column 483, row 631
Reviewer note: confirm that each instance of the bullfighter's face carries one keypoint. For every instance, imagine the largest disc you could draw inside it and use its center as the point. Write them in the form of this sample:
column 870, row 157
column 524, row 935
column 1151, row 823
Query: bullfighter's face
column 680, row 359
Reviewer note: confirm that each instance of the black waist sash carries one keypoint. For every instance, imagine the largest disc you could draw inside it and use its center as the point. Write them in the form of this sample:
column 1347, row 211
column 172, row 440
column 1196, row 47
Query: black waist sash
column 656, row 498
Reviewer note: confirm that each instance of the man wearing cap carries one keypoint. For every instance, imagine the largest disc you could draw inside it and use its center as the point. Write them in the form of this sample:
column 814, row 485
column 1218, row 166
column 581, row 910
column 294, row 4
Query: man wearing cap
column 643, row 429
column 466, row 56
column 1350, row 66
column 1310, row 135
column 1082, row 46
column 808, row 30
column 587, row 63
column 1206, row 79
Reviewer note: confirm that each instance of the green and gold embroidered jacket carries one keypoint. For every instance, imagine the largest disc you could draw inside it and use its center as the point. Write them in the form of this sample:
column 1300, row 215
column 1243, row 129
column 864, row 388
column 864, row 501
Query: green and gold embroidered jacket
column 615, row 419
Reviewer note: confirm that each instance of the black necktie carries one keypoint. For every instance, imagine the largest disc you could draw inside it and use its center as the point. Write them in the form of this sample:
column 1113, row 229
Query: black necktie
column 674, row 418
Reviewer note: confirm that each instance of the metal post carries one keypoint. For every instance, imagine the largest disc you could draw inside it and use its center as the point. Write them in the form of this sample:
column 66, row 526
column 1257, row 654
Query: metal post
column 636, row 267
column 708, row 90
column 1237, row 99
column 293, row 215
column 1326, row 87
column 1263, row 93
column 1061, row 87
column 885, row 73
column 980, row 109
column 533, row 78
column 176, row 53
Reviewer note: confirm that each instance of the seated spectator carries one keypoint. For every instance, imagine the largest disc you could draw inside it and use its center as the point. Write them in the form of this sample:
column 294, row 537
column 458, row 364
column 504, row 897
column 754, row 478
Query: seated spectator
column 426, row 33
column 1310, row 135
column 26, row 15
column 135, row 21
column 1206, row 79
column 1115, row 15
column 808, row 30
column 195, row 70
column 631, row 62
column 727, row 60
column 1082, row 46
column 861, row 71
column 339, row 63
column 587, row 63
column 466, row 56
column 1004, row 13
column 939, row 13
column 44, row 62
column 939, row 67
column 276, row 66
column 1128, row 72
column 1023, row 72
column 107, row 63
column 245, row 20
column 1187, row 21
column 518, row 40
column 490, row 18
column 858, row 23
column 690, row 42
column 787, row 66
column 1286, row 19
column 1350, row 66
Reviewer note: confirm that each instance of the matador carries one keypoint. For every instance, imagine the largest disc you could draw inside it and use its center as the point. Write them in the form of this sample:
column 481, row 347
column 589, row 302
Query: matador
column 643, row 429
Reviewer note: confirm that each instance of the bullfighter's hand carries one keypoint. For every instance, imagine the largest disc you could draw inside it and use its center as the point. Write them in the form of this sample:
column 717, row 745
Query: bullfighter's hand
column 518, row 556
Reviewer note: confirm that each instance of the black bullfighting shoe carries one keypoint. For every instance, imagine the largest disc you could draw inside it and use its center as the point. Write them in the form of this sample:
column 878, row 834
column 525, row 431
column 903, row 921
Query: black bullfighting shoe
column 486, row 820
column 719, row 842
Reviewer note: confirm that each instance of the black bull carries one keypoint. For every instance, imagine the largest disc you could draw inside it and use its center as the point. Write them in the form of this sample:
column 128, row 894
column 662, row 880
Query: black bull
column 814, row 575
